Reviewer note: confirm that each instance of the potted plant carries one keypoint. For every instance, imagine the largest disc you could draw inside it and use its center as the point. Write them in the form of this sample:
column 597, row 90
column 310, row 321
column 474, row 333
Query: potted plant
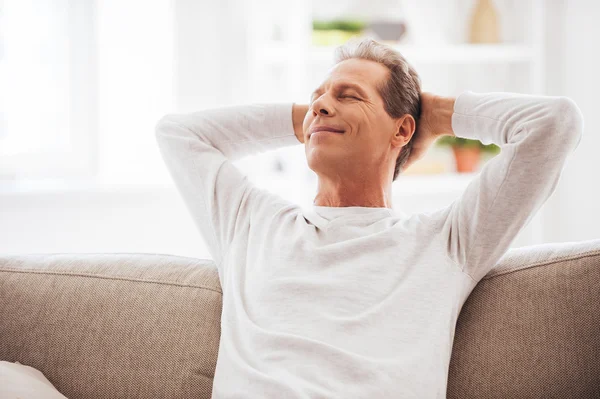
column 335, row 32
column 467, row 152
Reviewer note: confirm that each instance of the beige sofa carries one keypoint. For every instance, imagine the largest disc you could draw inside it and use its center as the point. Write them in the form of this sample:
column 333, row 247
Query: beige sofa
column 134, row 325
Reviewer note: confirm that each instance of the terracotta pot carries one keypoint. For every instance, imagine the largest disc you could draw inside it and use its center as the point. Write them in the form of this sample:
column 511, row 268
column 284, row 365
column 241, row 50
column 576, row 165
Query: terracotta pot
column 467, row 158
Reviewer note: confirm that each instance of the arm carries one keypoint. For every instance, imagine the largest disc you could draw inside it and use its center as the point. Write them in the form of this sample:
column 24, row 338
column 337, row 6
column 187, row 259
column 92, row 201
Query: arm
column 536, row 134
column 198, row 148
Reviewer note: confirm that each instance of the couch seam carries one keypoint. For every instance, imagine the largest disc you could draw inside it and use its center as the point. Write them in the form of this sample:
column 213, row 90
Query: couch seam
column 104, row 277
column 160, row 254
column 542, row 263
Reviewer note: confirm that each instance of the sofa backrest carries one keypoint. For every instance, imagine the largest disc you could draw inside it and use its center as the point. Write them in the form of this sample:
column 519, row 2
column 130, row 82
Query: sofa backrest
column 531, row 327
column 113, row 325
column 148, row 325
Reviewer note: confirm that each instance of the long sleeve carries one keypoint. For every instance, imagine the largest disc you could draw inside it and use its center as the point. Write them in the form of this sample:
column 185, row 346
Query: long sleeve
column 536, row 134
column 198, row 149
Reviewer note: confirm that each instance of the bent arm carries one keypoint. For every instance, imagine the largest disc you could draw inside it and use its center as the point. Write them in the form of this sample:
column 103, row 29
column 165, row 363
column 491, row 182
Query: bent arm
column 198, row 149
column 536, row 134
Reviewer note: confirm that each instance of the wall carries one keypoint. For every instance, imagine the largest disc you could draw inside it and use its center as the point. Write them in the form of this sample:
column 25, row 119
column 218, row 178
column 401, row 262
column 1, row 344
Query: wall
column 573, row 62
column 154, row 219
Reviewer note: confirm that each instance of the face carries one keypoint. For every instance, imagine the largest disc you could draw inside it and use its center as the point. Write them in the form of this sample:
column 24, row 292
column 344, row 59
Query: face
column 348, row 100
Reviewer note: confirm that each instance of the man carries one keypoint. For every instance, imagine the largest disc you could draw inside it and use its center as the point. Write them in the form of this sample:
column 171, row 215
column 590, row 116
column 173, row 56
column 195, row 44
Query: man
column 351, row 299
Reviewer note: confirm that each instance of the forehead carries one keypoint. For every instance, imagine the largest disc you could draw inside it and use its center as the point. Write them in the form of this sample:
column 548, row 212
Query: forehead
column 359, row 74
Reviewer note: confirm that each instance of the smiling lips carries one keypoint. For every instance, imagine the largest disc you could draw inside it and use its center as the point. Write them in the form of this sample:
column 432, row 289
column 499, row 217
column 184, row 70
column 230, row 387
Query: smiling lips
column 325, row 128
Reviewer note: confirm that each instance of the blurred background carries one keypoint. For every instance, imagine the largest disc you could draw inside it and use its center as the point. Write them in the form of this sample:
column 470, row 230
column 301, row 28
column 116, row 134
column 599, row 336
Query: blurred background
column 83, row 83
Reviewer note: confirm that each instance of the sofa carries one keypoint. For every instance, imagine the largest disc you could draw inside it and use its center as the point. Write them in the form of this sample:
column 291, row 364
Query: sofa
column 140, row 325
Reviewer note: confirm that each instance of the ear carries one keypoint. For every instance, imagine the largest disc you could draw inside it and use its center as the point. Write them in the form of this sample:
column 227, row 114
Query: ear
column 405, row 128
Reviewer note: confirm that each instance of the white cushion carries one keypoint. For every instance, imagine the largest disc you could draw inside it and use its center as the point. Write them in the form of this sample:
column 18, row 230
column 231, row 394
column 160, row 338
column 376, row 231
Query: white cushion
column 18, row 381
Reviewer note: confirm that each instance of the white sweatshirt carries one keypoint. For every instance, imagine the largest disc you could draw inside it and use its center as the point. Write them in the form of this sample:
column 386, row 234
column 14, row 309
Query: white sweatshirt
column 355, row 302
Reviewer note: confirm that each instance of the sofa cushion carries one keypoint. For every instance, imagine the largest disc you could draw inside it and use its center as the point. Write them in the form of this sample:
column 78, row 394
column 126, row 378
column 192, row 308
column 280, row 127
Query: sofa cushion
column 19, row 381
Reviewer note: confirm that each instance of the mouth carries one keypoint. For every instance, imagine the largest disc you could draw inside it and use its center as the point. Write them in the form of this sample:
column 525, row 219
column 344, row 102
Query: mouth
column 325, row 129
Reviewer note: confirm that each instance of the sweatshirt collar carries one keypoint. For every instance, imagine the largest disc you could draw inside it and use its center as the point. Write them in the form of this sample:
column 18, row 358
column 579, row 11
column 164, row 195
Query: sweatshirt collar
column 324, row 216
column 332, row 212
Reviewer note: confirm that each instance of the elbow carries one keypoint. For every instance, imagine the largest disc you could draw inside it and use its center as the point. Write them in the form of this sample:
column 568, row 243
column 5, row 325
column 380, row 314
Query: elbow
column 159, row 126
column 569, row 119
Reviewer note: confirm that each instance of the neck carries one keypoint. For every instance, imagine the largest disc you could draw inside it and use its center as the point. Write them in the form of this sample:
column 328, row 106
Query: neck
column 353, row 192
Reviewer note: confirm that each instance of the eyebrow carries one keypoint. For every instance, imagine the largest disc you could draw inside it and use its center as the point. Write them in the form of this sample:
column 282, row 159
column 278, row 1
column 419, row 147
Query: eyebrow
column 343, row 86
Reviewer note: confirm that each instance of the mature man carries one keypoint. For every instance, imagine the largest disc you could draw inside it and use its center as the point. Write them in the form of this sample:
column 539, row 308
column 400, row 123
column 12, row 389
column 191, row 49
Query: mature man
column 351, row 298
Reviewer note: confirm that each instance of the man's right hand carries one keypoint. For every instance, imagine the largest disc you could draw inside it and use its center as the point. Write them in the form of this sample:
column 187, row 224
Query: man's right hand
column 298, row 113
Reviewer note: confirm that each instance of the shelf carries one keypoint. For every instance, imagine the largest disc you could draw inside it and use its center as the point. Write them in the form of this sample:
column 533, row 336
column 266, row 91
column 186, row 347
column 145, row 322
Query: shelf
column 443, row 54
column 59, row 187
column 413, row 184
column 444, row 185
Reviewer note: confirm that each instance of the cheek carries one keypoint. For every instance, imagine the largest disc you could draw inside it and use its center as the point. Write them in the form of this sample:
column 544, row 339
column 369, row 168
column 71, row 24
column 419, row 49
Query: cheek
column 307, row 121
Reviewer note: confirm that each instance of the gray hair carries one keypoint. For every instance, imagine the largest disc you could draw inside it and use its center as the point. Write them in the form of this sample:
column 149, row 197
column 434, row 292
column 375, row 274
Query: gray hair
column 401, row 93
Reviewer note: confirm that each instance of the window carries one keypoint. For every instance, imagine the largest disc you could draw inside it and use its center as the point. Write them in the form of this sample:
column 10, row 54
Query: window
column 47, row 86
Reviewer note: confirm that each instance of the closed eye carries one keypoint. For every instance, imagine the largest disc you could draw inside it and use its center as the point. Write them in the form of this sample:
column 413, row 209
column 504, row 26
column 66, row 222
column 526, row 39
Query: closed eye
column 356, row 98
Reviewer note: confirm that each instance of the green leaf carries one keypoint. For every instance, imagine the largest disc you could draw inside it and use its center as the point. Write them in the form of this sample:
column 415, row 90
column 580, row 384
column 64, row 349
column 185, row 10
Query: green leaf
column 348, row 25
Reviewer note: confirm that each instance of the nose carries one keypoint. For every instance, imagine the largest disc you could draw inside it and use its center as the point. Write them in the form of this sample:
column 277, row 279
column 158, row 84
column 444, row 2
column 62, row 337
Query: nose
column 321, row 107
